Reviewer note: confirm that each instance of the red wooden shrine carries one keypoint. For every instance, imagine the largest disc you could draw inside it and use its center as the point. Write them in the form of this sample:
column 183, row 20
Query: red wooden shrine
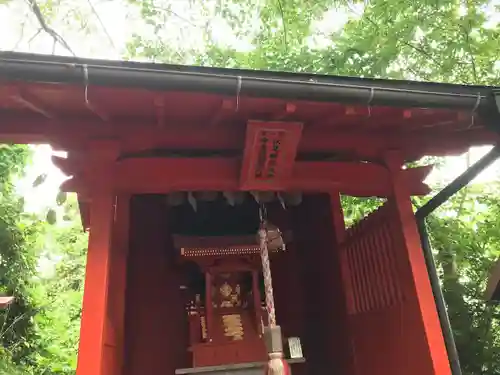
column 227, row 325
column 166, row 161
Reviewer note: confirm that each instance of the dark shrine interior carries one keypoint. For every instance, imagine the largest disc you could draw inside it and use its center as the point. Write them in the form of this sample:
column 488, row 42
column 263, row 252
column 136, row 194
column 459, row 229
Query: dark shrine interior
column 215, row 218
column 300, row 275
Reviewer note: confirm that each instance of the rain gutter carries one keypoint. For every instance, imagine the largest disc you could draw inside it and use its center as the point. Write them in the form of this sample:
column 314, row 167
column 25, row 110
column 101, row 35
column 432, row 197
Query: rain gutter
column 232, row 82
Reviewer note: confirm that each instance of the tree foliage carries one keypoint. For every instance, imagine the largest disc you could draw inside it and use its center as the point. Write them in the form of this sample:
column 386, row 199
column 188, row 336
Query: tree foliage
column 18, row 254
column 446, row 41
column 42, row 265
column 63, row 285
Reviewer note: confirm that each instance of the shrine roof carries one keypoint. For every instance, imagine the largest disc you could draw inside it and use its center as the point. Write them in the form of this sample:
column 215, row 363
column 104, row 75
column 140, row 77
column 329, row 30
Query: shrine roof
column 254, row 83
column 127, row 96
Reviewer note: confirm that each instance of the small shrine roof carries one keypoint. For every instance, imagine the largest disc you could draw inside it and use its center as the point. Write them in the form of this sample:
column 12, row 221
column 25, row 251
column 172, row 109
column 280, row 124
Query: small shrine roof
column 199, row 246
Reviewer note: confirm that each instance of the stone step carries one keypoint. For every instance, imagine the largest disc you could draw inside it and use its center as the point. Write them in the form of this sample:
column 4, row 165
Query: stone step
column 253, row 368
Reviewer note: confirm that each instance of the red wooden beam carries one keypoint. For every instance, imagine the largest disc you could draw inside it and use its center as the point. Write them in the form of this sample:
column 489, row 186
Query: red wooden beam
column 27, row 100
column 161, row 175
column 69, row 166
column 143, row 135
column 288, row 110
column 226, row 109
column 159, row 104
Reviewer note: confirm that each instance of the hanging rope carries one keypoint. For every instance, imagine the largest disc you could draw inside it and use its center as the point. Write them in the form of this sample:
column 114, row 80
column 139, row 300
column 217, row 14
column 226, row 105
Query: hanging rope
column 268, row 280
column 276, row 364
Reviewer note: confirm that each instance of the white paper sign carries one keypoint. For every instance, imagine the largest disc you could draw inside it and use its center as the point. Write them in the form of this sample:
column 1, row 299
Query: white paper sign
column 295, row 347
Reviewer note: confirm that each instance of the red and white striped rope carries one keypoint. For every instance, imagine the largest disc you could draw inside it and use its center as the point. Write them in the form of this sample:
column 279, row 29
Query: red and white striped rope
column 268, row 281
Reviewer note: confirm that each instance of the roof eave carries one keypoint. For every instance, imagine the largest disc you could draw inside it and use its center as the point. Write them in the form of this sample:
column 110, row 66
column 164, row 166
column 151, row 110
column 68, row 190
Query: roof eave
column 231, row 82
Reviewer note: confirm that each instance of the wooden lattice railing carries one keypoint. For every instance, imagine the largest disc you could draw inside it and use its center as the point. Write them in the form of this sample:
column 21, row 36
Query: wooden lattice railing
column 369, row 261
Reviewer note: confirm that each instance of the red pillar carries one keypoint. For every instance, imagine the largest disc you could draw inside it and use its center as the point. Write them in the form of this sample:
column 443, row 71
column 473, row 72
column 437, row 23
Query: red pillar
column 339, row 229
column 337, row 216
column 422, row 288
column 114, row 343
column 326, row 333
column 96, row 330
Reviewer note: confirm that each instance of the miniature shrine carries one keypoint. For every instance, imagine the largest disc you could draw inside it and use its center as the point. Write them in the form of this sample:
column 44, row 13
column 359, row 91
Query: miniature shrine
column 212, row 197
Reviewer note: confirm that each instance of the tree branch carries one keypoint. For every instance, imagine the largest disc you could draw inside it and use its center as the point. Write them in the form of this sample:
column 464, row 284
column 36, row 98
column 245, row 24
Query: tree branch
column 285, row 32
column 45, row 27
column 465, row 191
column 471, row 54
column 103, row 26
column 23, row 24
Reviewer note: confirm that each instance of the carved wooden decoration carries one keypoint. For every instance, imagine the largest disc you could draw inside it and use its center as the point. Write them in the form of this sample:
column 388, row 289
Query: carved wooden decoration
column 269, row 156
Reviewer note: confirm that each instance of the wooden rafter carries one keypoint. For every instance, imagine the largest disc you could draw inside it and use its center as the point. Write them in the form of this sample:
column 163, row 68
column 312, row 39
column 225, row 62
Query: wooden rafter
column 227, row 107
column 28, row 100
column 289, row 109
column 95, row 108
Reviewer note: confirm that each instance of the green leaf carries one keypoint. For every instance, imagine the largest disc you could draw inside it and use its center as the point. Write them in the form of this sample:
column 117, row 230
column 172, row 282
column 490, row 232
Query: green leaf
column 61, row 198
column 51, row 217
column 40, row 180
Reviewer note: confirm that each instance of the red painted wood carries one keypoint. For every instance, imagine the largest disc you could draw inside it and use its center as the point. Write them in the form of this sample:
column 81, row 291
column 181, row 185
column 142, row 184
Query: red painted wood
column 181, row 241
column 118, row 281
column 156, row 325
column 218, row 349
column 143, row 134
column 152, row 176
column 337, row 217
column 384, row 307
column 339, row 228
column 91, row 359
column 269, row 155
column 386, row 324
column 160, row 175
column 409, row 239
column 65, row 101
column 97, row 332
column 372, row 274
column 326, row 338
column 211, row 354
column 257, row 300
column 209, row 306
